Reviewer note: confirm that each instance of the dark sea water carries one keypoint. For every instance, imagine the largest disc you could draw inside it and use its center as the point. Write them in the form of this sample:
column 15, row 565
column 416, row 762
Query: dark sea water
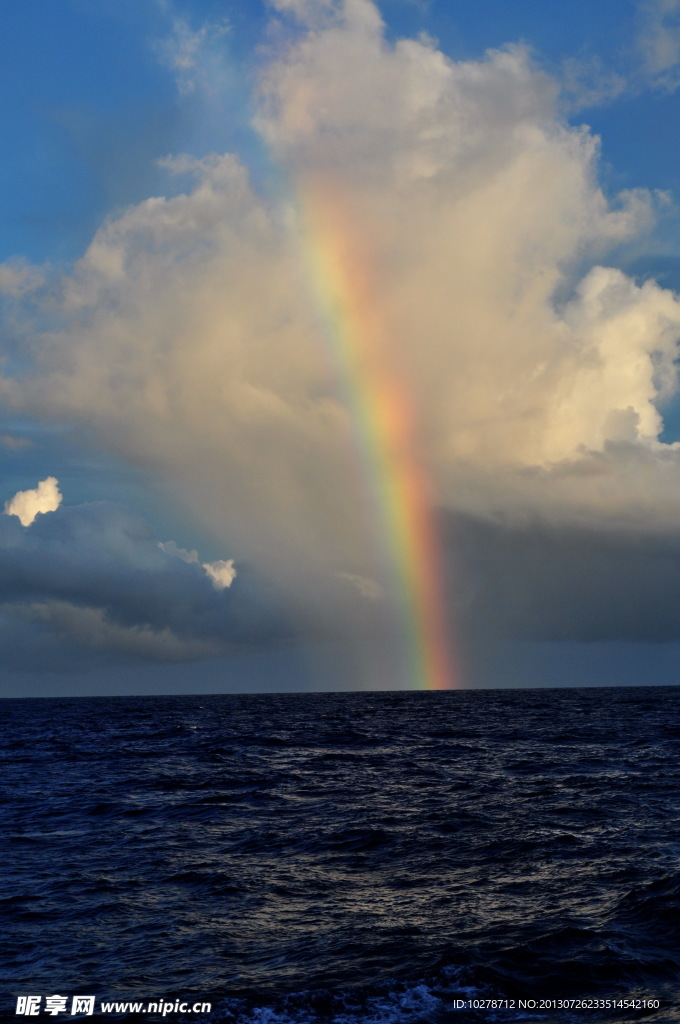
column 362, row 858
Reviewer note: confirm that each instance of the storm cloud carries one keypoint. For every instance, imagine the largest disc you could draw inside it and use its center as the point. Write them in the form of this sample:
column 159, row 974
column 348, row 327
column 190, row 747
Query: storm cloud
column 548, row 582
column 97, row 575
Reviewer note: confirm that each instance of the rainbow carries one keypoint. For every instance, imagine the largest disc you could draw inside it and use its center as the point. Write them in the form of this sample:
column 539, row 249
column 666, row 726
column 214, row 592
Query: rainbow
column 342, row 273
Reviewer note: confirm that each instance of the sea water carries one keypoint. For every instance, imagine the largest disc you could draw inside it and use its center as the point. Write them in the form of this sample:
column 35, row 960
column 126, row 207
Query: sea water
column 390, row 858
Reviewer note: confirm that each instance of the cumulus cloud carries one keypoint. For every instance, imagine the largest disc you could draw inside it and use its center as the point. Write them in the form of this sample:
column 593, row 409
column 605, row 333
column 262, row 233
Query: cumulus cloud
column 222, row 572
column 190, row 337
column 26, row 505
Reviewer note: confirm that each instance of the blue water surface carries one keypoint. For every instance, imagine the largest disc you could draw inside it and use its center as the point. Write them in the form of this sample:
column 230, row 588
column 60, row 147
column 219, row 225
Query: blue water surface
column 392, row 858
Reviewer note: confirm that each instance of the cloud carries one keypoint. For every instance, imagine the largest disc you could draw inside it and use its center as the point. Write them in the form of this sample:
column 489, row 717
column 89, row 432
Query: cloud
column 95, row 575
column 190, row 339
column 13, row 443
column 26, row 505
column 89, row 628
column 222, row 573
column 551, row 582
column 659, row 42
column 308, row 12
column 18, row 278
column 173, row 549
column 588, row 82
column 368, row 589
column 193, row 54
column 651, row 62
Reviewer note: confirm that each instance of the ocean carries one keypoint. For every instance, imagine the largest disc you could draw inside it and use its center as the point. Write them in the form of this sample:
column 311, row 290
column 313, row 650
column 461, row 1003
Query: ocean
column 361, row 858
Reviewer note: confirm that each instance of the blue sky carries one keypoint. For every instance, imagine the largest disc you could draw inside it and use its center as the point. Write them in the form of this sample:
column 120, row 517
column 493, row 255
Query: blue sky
column 90, row 104
column 113, row 351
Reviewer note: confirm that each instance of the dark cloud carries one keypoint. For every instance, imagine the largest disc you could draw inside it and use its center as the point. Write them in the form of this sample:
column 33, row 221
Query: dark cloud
column 95, row 575
column 543, row 581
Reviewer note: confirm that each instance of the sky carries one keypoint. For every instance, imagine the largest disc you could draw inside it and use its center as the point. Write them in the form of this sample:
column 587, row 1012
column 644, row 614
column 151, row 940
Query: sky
column 339, row 345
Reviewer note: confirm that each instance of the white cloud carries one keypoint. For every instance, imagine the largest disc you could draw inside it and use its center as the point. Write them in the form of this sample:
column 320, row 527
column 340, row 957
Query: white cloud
column 26, row 505
column 222, row 573
column 171, row 548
